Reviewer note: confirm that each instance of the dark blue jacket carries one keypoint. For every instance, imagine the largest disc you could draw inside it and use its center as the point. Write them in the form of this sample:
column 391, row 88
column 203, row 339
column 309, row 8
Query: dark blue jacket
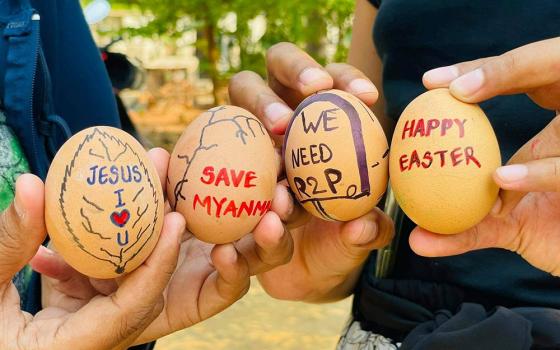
column 54, row 84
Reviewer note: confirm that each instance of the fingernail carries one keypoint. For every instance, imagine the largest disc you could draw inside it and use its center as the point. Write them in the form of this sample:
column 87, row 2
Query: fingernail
column 276, row 111
column 512, row 173
column 311, row 75
column 468, row 84
column 442, row 75
column 361, row 86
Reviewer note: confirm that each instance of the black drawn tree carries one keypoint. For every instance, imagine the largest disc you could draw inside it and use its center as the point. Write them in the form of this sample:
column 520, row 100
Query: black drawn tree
column 113, row 205
column 243, row 128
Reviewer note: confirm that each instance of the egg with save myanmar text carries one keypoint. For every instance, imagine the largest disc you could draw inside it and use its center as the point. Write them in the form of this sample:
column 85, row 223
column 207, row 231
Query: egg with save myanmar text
column 443, row 155
column 222, row 174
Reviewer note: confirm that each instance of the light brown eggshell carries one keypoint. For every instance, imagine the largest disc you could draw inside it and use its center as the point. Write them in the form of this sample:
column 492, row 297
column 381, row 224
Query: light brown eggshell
column 450, row 198
column 103, row 202
column 335, row 154
column 222, row 174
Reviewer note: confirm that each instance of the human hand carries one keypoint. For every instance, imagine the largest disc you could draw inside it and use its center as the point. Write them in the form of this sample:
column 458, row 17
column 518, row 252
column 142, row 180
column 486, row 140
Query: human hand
column 328, row 256
column 207, row 279
column 111, row 321
column 525, row 217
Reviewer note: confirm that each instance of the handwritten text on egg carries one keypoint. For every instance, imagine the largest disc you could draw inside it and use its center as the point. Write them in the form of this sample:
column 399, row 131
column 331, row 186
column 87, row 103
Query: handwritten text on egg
column 223, row 206
column 436, row 127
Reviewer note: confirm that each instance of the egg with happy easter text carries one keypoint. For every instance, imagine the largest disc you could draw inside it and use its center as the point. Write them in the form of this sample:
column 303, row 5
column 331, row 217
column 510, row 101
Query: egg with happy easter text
column 103, row 203
column 443, row 155
column 222, row 174
column 336, row 156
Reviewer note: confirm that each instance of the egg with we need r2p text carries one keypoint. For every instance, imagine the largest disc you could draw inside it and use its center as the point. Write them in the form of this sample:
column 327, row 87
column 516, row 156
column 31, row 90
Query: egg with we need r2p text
column 336, row 156
column 222, row 174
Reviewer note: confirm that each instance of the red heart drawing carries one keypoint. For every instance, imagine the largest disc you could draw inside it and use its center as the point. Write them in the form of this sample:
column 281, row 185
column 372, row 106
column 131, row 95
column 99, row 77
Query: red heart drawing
column 120, row 219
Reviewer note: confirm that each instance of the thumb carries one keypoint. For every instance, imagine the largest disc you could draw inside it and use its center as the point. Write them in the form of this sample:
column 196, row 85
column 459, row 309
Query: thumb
column 359, row 237
column 22, row 226
column 517, row 71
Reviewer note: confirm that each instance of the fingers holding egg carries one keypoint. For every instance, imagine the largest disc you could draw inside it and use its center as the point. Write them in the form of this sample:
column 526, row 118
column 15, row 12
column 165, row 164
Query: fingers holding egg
column 222, row 174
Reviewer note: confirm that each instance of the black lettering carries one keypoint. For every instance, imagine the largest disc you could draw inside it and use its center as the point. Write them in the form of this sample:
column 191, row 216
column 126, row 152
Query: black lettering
column 333, row 177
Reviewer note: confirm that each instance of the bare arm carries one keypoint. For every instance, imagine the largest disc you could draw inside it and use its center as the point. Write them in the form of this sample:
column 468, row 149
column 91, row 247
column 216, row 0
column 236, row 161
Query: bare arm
column 364, row 56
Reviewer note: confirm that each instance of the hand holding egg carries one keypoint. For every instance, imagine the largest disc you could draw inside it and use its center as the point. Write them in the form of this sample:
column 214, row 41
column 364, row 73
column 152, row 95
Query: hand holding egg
column 104, row 202
column 525, row 219
column 208, row 277
column 328, row 254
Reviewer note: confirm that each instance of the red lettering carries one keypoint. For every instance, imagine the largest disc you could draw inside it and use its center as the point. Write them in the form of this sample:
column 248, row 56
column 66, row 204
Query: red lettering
column 446, row 124
column 231, row 208
column 432, row 125
column 428, row 157
column 207, row 203
column 402, row 162
column 469, row 155
column 456, row 154
column 414, row 160
column 248, row 178
column 236, row 178
column 219, row 205
column 461, row 125
column 408, row 128
column 208, row 171
column 247, row 208
column 261, row 208
column 222, row 177
column 441, row 157
column 419, row 128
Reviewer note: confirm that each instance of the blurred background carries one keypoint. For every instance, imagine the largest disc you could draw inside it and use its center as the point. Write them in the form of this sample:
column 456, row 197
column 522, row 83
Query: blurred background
column 171, row 59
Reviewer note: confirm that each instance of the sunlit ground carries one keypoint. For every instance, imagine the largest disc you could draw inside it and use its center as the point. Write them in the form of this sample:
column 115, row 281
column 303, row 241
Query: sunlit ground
column 260, row 322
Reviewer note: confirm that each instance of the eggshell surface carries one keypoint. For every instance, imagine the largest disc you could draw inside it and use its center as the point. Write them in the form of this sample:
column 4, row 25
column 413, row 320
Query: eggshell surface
column 222, row 174
column 103, row 202
column 443, row 155
column 336, row 156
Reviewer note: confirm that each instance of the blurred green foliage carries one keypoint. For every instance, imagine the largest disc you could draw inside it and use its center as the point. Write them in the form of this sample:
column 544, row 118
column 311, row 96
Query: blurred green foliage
column 321, row 27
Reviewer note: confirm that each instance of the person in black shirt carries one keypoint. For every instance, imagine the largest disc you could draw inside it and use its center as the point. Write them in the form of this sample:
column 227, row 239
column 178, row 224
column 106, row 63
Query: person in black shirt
column 493, row 287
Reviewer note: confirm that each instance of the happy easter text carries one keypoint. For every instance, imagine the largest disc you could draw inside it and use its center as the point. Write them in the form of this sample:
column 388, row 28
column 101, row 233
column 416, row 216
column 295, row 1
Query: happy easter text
column 415, row 128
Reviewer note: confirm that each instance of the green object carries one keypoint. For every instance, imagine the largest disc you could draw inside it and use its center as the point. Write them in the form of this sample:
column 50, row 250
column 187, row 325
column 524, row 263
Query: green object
column 12, row 163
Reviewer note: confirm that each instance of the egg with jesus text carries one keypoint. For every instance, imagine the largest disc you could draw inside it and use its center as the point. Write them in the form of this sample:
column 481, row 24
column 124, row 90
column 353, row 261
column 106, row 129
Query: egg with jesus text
column 443, row 155
column 336, row 156
column 222, row 174
column 103, row 203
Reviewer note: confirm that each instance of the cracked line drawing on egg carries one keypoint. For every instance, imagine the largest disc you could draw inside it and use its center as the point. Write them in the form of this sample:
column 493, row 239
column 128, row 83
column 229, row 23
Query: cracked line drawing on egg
column 240, row 133
column 125, row 242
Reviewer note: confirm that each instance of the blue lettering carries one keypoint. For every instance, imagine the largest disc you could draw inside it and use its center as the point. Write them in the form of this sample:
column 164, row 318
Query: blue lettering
column 137, row 173
column 128, row 177
column 119, row 240
column 102, row 175
column 115, row 172
column 120, row 203
column 91, row 180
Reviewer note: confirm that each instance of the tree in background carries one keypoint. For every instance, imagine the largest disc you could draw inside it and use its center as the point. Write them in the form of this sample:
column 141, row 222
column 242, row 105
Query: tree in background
column 312, row 24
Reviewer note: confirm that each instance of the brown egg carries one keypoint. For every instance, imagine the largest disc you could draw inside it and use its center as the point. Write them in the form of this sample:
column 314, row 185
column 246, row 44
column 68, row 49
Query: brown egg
column 103, row 202
column 443, row 154
column 335, row 153
column 222, row 174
